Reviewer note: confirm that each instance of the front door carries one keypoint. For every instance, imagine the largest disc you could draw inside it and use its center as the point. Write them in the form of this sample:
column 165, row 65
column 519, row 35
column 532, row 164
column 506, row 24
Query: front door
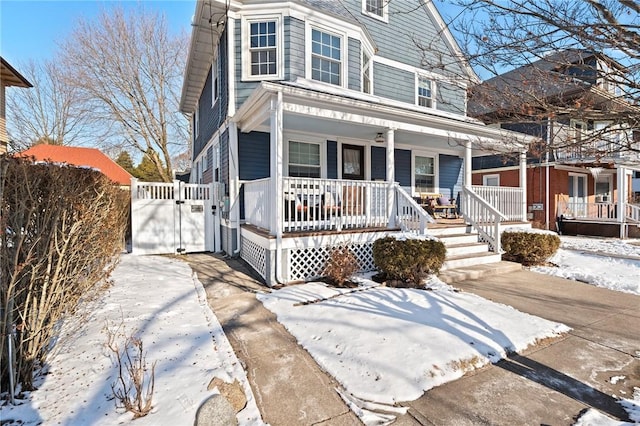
column 353, row 162
column 578, row 194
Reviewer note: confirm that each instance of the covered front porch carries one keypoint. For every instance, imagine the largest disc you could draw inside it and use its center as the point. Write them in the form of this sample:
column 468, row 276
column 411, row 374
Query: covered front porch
column 344, row 171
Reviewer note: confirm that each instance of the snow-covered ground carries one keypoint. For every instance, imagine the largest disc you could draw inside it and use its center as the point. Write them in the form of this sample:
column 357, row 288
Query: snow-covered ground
column 355, row 336
column 159, row 300
column 609, row 263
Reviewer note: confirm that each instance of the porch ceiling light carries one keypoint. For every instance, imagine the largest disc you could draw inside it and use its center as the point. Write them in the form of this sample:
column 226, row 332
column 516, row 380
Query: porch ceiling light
column 379, row 138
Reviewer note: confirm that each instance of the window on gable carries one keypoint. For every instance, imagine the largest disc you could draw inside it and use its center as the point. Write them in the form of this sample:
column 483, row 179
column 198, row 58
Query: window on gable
column 424, row 174
column 304, row 159
column 375, row 8
column 366, row 72
column 425, row 92
column 326, row 57
column 263, row 48
column 215, row 88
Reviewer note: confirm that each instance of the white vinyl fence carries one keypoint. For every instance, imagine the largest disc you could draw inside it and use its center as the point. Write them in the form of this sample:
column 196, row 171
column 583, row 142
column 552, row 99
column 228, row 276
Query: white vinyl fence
column 173, row 218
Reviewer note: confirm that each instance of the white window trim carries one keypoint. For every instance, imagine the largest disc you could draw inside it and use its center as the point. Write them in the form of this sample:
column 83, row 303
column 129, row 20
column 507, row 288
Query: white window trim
column 246, row 54
column 585, row 185
column 196, row 122
column 436, row 169
column 602, row 178
column 385, row 11
column 418, row 76
column 215, row 75
column 364, row 49
column 485, row 178
column 310, row 140
column 309, row 26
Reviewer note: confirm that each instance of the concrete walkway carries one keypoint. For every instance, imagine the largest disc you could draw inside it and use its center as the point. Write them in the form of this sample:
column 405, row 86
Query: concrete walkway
column 289, row 387
column 550, row 384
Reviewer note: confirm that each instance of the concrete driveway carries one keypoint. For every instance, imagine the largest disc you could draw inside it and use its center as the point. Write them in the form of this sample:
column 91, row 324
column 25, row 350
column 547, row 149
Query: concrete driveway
column 554, row 382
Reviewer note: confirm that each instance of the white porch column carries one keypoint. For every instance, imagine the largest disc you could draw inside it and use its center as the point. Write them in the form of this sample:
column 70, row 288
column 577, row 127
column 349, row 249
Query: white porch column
column 276, row 149
column 467, row 164
column 523, row 185
column 622, row 197
column 391, row 175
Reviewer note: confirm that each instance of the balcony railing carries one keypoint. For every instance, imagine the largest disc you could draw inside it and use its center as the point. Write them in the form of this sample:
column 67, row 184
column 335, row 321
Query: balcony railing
column 507, row 200
column 592, row 211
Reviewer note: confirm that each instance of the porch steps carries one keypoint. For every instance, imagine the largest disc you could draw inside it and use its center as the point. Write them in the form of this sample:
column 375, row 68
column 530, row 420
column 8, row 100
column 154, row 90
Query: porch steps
column 452, row 276
column 463, row 248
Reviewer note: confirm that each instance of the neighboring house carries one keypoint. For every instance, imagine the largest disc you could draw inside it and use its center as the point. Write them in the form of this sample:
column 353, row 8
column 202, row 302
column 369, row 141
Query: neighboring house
column 580, row 178
column 8, row 77
column 320, row 120
column 80, row 157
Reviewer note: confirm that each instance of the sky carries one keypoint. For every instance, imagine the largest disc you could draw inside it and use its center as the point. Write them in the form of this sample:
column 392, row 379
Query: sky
column 30, row 30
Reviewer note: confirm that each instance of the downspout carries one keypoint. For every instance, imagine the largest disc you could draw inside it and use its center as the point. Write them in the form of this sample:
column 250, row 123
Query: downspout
column 234, row 182
column 546, row 180
column 276, row 177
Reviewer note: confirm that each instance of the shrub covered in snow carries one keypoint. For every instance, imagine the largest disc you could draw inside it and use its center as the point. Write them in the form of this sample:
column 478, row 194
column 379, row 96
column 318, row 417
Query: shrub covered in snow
column 529, row 247
column 408, row 260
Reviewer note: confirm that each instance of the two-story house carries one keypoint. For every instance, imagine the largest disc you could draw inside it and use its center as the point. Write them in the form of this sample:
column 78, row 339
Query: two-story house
column 321, row 120
column 580, row 176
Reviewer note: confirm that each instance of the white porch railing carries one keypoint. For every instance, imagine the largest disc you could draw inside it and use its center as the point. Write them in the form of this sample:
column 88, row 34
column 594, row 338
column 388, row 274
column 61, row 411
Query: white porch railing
column 330, row 204
column 257, row 202
column 593, row 211
column 633, row 213
column 410, row 216
column 507, row 200
column 483, row 217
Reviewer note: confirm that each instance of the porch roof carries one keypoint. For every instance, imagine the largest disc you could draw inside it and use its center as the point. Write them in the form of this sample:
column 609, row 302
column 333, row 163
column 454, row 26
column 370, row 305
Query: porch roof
column 352, row 114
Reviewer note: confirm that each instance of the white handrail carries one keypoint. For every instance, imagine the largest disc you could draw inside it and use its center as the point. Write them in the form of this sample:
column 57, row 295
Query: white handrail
column 410, row 216
column 506, row 199
column 483, row 217
column 633, row 213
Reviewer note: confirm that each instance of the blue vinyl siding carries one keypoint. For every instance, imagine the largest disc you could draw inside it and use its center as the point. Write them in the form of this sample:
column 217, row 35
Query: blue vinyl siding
column 393, row 83
column 378, row 162
column 212, row 117
column 450, row 175
column 243, row 88
column 332, row 160
column 253, row 153
column 224, row 160
column 450, row 98
column 293, row 48
column 355, row 57
column 403, row 167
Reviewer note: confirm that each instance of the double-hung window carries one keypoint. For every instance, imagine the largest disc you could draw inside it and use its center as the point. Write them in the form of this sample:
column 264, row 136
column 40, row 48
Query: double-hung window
column 326, row 57
column 304, row 159
column 425, row 92
column 366, row 72
column 375, row 8
column 215, row 88
column 424, row 174
column 263, row 48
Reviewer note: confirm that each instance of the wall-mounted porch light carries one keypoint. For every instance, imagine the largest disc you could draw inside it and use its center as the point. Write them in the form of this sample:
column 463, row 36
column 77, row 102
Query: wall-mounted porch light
column 379, row 138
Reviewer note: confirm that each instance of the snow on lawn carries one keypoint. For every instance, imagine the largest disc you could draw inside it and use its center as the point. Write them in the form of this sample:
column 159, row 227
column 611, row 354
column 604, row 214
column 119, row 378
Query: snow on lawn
column 608, row 263
column 593, row 417
column 158, row 300
column 386, row 345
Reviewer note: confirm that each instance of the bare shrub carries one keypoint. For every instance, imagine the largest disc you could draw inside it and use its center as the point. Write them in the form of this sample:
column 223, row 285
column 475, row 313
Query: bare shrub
column 133, row 388
column 60, row 229
column 341, row 266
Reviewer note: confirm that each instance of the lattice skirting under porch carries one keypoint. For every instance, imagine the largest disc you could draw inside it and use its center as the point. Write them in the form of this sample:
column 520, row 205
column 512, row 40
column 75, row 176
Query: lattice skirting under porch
column 303, row 258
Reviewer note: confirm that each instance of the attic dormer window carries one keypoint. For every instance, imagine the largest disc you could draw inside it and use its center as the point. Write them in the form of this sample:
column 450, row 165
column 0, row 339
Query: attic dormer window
column 375, row 8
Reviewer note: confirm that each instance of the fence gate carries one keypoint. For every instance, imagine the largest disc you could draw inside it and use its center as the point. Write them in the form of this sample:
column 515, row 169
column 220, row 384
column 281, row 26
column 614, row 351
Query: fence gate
column 170, row 218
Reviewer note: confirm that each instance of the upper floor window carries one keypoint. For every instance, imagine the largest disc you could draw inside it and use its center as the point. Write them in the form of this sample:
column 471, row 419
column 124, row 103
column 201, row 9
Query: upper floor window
column 215, row 88
column 196, row 122
column 425, row 92
column 366, row 72
column 375, row 8
column 326, row 57
column 261, row 49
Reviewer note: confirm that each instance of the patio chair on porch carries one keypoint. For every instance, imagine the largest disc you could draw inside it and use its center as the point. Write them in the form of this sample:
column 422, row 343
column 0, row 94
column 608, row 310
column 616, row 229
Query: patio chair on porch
column 294, row 209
